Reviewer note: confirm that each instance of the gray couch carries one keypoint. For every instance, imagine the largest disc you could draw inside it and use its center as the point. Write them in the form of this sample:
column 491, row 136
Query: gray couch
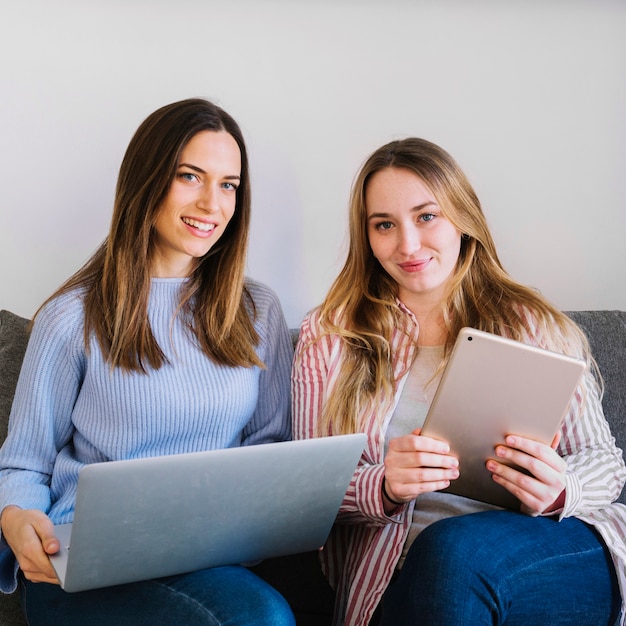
column 296, row 575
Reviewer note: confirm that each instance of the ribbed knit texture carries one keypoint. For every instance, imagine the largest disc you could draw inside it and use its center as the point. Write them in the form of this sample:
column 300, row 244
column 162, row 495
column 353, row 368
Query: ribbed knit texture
column 70, row 409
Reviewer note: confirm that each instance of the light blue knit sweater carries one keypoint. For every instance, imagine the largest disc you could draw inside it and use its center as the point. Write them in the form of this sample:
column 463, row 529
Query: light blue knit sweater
column 70, row 409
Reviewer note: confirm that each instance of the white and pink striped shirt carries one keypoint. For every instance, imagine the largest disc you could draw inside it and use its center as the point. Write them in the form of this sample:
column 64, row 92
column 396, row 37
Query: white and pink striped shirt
column 365, row 544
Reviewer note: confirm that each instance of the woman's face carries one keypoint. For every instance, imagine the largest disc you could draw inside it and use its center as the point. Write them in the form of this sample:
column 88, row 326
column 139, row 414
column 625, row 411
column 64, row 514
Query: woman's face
column 199, row 203
column 416, row 245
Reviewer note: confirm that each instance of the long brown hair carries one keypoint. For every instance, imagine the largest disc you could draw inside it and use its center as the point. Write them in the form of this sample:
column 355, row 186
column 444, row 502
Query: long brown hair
column 116, row 280
column 362, row 308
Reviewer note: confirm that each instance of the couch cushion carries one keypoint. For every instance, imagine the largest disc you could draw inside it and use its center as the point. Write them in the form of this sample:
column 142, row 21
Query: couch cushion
column 13, row 340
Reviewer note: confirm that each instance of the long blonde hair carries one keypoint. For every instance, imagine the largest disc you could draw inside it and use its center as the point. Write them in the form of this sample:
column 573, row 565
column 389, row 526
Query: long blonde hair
column 362, row 308
column 116, row 280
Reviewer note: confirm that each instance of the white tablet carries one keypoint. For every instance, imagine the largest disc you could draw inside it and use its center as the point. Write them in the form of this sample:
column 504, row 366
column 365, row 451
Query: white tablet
column 493, row 387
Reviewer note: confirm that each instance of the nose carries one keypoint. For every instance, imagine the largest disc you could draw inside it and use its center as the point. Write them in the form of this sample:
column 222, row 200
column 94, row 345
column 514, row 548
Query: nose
column 409, row 241
column 208, row 199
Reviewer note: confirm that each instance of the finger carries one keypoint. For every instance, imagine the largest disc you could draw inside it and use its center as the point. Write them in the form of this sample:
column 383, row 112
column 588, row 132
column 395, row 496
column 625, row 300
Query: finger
column 530, row 449
column 536, row 494
column 413, row 460
column 408, row 484
column 547, row 471
column 529, row 503
column 405, row 492
column 38, row 576
column 35, row 563
column 50, row 544
column 38, row 569
column 417, row 443
column 33, row 539
column 44, row 528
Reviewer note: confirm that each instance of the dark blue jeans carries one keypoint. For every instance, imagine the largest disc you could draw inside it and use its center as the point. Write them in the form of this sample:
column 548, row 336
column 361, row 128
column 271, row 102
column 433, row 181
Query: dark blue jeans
column 212, row 597
column 501, row 567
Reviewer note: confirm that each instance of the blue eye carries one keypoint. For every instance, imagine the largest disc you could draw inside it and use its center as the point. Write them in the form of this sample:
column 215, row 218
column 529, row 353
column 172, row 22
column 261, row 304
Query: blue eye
column 383, row 225
column 188, row 176
column 229, row 186
column 427, row 217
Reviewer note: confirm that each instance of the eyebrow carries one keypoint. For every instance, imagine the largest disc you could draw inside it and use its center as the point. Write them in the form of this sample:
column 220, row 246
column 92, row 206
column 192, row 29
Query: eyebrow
column 195, row 168
column 415, row 209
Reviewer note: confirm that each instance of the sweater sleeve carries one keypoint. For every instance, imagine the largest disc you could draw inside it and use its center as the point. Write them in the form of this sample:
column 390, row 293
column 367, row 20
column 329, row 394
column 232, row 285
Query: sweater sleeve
column 40, row 421
column 271, row 420
column 316, row 364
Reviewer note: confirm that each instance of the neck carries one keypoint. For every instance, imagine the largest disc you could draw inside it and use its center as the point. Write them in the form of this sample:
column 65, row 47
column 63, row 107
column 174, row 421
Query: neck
column 432, row 330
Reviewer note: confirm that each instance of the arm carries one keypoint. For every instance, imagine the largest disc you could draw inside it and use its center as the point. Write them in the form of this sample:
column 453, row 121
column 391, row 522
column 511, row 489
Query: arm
column 271, row 420
column 316, row 365
column 595, row 467
column 40, row 425
column 40, row 422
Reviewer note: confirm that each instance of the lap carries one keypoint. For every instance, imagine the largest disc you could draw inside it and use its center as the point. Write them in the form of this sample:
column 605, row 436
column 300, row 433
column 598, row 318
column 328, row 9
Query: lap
column 509, row 568
column 215, row 596
column 508, row 537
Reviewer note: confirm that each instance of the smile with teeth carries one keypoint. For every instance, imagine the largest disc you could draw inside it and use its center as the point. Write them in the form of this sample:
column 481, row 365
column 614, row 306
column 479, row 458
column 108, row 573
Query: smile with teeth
column 203, row 226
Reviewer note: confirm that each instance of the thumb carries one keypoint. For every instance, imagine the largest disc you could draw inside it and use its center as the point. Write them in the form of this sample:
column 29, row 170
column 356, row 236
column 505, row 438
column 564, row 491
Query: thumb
column 51, row 545
column 45, row 529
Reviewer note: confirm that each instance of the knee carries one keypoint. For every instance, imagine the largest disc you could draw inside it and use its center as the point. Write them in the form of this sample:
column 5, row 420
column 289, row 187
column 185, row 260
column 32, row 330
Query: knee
column 274, row 610
column 446, row 570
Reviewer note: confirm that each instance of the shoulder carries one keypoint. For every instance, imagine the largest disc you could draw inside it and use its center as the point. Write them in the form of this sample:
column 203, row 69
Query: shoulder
column 62, row 314
column 264, row 306
column 318, row 335
column 311, row 324
column 550, row 329
column 260, row 293
column 58, row 328
column 261, row 298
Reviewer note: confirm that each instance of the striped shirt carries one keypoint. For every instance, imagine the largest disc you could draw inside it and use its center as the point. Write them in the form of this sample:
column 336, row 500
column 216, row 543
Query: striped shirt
column 365, row 544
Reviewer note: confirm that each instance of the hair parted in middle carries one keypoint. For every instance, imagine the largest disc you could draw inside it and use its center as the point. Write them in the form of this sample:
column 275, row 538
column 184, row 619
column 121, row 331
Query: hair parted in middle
column 361, row 305
column 117, row 278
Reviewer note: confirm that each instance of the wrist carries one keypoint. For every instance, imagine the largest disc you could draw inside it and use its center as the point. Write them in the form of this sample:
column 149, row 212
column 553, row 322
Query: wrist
column 557, row 505
column 387, row 497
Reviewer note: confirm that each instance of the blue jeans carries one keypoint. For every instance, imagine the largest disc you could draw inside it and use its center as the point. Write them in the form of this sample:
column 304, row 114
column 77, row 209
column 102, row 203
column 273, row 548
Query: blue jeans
column 501, row 567
column 215, row 597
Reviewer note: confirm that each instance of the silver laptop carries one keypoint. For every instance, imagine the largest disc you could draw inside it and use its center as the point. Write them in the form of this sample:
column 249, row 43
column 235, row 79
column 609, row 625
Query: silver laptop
column 492, row 387
column 147, row 518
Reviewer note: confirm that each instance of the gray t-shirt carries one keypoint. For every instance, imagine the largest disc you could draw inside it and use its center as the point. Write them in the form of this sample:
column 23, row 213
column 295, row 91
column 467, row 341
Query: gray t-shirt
column 410, row 412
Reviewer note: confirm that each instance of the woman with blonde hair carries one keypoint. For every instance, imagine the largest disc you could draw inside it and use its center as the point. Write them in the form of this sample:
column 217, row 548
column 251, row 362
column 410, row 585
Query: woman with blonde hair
column 159, row 345
column 421, row 265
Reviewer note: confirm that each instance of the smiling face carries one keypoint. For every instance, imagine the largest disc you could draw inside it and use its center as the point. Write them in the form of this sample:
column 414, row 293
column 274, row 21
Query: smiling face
column 199, row 204
column 409, row 236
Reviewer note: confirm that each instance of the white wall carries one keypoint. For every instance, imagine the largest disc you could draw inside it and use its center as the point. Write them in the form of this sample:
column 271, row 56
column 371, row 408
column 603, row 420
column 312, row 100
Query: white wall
column 530, row 97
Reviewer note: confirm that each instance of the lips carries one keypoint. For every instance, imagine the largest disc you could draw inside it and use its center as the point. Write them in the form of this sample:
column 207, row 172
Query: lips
column 205, row 227
column 414, row 266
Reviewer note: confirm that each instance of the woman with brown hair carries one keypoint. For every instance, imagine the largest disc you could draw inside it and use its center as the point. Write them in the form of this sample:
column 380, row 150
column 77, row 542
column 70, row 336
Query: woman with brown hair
column 158, row 345
column 421, row 265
